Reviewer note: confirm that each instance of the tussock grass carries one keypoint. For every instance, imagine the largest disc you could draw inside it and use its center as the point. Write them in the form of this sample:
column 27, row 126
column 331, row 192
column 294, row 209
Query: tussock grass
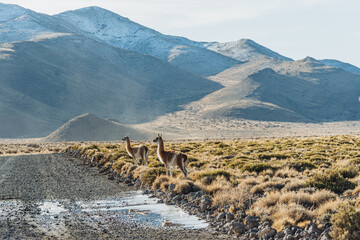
column 331, row 180
column 288, row 181
column 346, row 223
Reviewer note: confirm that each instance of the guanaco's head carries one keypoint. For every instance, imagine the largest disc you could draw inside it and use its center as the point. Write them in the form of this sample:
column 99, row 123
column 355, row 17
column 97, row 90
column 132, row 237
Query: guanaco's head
column 126, row 138
column 158, row 138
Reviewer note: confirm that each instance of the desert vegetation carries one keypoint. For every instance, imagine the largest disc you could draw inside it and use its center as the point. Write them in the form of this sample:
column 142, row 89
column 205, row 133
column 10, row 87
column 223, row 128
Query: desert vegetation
column 7, row 149
column 285, row 181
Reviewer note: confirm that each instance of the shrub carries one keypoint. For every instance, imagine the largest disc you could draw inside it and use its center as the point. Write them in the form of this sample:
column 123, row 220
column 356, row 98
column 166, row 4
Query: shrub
column 118, row 165
column 331, row 180
column 346, row 223
column 197, row 164
column 155, row 164
column 236, row 163
column 116, row 156
column 150, row 175
column 301, row 166
column 211, row 175
column 160, row 181
column 349, row 172
column 268, row 156
column 185, row 187
column 256, row 167
column 75, row 147
column 98, row 156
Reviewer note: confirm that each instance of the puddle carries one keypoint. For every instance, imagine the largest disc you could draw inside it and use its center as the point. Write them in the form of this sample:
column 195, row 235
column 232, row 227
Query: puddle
column 53, row 217
column 145, row 209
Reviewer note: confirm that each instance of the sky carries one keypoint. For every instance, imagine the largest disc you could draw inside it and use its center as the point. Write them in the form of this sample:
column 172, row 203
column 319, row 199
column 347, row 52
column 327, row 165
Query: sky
column 294, row 28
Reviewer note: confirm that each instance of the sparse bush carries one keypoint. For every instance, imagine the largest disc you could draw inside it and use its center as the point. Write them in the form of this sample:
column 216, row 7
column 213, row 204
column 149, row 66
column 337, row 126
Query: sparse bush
column 349, row 171
column 118, row 165
column 331, row 180
column 268, row 156
column 197, row 164
column 156, row 164
column 150, row 175
column 160, row 181
column 301, row 165
column 237, row 196
column 185, row 187
column 346, row 223
column 75, row 147
column 209, row 176
column 257, row 167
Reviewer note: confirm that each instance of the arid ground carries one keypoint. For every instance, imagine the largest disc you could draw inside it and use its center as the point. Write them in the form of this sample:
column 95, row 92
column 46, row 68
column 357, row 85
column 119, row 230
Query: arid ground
column 34, row 187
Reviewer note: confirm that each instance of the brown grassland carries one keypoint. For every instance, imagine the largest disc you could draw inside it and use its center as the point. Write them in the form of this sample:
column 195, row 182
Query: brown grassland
column 287, row 181
column 8, row 149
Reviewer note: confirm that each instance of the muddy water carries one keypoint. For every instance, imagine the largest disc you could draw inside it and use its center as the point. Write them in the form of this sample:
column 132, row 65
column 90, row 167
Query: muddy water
column 55, row 217
column 142, row 208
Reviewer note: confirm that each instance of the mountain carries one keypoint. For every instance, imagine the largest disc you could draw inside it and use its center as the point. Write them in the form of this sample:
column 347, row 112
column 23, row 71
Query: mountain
column 345, row 66
column 59, row 76
column 295, row 91
column 89, row 127
column 244, row 50
column 122, row 33
column 19, row 24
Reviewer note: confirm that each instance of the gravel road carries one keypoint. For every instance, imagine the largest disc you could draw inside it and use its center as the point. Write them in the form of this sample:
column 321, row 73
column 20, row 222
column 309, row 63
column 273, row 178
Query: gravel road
column 41, row 197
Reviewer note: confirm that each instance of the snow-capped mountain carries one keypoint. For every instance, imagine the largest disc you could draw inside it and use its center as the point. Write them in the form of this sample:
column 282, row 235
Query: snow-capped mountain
column 123, row 33
column 19, row 24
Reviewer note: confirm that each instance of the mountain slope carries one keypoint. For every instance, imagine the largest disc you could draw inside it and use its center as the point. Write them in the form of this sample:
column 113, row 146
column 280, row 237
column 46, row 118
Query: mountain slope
column 345, row 66
column 58, row 77
column 19, row 24
column 89, row 127
column 244, row 50
column 304, row 90
column 123, row 33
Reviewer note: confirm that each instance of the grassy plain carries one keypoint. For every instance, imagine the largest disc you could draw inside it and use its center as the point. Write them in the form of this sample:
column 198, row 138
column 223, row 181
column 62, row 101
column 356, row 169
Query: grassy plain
column 287, row 181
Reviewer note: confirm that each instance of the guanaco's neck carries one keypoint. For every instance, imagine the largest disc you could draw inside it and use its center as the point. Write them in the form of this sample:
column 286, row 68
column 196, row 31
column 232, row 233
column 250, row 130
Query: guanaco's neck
column 128, row 146
column 161, row 146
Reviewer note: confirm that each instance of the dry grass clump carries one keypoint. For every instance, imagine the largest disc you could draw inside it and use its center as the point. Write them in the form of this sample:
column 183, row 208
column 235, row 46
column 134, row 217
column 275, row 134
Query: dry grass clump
column 287, row 215
column 186, row 186
column 332, row 180
column 257, row 167
column 209, row 176
column 155, row 164
column 238, row 197
column 273, row 184
column 149, row 176
column 161, row 182
column 302, row 165
column 278, row 179
column 218, row 184
column 294, row 185
column 327, row 209
column 346, row 223
column 291, row 208
column 31, row 148
column 118, row 165
column 139, row 171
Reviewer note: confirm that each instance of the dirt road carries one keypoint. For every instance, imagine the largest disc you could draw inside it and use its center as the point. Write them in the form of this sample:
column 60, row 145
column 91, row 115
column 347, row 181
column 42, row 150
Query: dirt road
column 43, row 197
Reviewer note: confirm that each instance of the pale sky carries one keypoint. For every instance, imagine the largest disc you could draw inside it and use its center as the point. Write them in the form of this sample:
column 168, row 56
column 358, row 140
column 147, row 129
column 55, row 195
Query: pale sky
column 294, row 28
